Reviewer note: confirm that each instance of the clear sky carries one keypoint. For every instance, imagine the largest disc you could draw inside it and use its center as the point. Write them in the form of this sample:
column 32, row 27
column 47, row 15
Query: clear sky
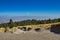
column 30, row 7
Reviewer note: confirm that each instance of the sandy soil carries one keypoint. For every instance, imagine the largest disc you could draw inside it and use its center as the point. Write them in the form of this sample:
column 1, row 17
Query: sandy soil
column 44, row 35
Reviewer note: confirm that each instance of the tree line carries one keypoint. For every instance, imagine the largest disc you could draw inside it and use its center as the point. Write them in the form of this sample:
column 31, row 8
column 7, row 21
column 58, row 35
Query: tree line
column 11, row 24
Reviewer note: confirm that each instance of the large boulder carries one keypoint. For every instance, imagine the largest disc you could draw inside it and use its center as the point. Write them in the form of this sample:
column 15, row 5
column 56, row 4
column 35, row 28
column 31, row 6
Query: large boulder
column 55, row 28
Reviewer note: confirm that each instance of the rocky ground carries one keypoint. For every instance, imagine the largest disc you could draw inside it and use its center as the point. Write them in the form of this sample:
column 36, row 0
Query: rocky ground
column 31, row 35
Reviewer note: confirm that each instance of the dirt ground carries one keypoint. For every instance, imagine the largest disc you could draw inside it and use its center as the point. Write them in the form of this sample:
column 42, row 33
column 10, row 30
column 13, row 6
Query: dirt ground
column 44, row 35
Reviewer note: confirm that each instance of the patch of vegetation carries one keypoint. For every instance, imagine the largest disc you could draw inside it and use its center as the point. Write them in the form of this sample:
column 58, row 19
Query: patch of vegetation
column 12, row 24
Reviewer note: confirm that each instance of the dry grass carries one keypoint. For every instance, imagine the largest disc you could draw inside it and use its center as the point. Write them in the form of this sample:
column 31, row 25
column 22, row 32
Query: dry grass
column 40, row 25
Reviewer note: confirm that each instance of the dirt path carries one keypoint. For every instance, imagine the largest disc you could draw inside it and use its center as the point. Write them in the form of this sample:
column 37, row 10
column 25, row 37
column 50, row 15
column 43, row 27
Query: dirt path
column 45, row 35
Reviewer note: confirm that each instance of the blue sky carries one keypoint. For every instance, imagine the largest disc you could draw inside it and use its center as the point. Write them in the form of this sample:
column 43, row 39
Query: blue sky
column 30, row 8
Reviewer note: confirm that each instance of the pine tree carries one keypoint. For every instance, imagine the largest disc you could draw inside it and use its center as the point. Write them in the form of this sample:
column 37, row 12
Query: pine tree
column 11, row 23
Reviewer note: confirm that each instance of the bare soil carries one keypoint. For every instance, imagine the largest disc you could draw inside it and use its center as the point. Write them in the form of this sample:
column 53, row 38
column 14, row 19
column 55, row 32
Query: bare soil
column 32, row 35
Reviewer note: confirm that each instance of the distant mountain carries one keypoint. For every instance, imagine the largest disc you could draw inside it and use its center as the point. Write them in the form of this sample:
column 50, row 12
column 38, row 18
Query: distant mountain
column 4, row 19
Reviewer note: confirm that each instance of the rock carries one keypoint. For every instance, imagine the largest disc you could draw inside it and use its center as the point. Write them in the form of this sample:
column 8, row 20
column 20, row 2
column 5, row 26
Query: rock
column 18, row 31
